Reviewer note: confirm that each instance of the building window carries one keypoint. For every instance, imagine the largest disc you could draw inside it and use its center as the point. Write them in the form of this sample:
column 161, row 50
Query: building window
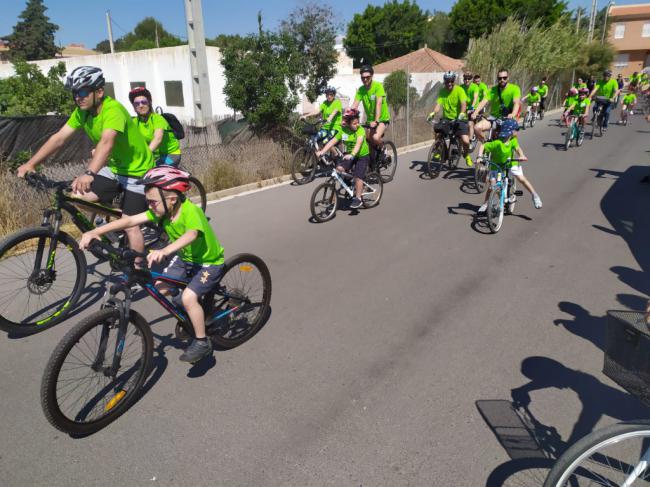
column 619, row 31
column 621, row 60
column 135, row 84
column 645, row 32
column 109, row 89
column 174, row 94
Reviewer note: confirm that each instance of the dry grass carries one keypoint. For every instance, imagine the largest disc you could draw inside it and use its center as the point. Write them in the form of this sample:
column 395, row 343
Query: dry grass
column 20, row 205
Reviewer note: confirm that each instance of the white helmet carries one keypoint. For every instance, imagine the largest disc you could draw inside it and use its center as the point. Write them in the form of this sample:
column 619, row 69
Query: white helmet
column 85, row 77
column 449, row 76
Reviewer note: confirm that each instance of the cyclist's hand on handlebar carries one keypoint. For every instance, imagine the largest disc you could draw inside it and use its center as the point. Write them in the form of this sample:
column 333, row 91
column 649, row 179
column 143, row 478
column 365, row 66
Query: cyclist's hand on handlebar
column 24, row 169
column 156, row 256
column 373, row 125
column 86, row 239
column 82, row 184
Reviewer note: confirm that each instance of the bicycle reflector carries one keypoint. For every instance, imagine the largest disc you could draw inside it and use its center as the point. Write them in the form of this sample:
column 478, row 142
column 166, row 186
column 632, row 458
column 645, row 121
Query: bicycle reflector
column 113, row 402
column 245, row 268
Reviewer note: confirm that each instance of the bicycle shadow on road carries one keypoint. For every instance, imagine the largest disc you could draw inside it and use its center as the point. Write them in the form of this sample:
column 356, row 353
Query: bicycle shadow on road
column 557, row 147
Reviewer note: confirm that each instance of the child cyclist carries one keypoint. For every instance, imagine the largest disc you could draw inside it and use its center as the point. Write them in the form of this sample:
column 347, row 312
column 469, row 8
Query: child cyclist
column 357, row 151
column 571, row 97
column 500, row 151
column 532, row 100
column 629, row 102
column 199, row 253
column 579, row 107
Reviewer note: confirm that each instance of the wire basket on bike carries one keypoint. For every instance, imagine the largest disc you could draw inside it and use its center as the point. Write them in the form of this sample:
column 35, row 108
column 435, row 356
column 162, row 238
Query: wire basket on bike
column 627, row 352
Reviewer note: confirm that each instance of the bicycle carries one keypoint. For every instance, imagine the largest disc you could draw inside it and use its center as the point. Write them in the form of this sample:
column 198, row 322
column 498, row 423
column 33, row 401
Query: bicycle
column 325, row 198
column 383, row 159
column 574, row 131
column 625, row 117
column 105, row 358
column 503, row 196
column 530, row 118
column 304, row 163
column 598, row 115
column 42, row 269
column 446, row 149
column 617, row 455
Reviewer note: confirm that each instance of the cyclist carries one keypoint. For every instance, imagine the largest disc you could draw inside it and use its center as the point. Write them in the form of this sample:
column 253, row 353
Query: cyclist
column 505, row 102
column 629, row 102
column 591, row 82
column 605, row 88
column 533, row 100
column 373, row 97
column 543, row 93
column 473, row 97
column 121, row 155
column 634, row 81
column 357, row 152
column 196, row 251
column 453, row 101
column 500, row 151
column 570, row 99
column 332, row 112
column 579, row 107
column 579, row 84
column 483, row 90
column 155, row 129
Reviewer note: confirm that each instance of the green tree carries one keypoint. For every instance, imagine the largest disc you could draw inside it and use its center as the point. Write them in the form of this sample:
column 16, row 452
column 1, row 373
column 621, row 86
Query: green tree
column 144, row 36
column 311, row 31
column 437, row 33
column 596, row 57
column 395, row 85
column 33, row 36
column 30, row 92
column 104, row 47
column 223, row 41
column 385, row 32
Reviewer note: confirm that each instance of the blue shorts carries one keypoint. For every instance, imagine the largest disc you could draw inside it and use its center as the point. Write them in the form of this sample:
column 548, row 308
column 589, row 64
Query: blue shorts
column 203, row 277
column 173, row 160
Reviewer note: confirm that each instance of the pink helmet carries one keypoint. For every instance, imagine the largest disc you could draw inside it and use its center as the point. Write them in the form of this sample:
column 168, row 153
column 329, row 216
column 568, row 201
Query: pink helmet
column 167, row 178
column 350, row 113
column 573, row 91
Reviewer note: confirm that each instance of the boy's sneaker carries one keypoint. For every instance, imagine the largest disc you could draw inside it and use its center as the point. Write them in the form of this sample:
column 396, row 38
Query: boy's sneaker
column 356, row 203
column 468, row 160
column 537, row 201
column 197, row 350
column 482, row 209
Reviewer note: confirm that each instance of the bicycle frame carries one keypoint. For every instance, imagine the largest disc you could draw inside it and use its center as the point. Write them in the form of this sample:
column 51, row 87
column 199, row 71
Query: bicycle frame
column 340, row 178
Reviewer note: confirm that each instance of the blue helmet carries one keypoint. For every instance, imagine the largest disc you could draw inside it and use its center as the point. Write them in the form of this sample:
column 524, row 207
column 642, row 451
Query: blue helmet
column 508, row 127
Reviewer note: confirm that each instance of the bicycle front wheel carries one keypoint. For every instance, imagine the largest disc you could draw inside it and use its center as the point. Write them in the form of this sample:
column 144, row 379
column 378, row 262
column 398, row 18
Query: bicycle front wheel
column 324, row 201
column 303, row 165
column 567, row 137
column 41, row 279
column 435, row 159
column 495, row 210
column 82, row 391
column 387, row 162
column 617, row 455
column 242, row 303
column 373, row 188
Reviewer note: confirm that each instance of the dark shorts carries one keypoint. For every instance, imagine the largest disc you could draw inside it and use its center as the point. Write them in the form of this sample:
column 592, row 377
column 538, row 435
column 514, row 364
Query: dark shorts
column 203, row 278
column 360, row 166
column 173, row 160
column 456, row 127
column 542, row 103
column 108, row 190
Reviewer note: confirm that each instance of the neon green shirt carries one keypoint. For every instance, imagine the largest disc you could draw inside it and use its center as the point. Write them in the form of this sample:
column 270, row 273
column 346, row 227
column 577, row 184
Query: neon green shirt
column 326, row 110
column 130, row 155
column 368, row 98
column 570, row 100
column 169, row 143
column 471, row 91
column 205, row 249
column 501, row 151
column 543, row 90
column 580, row 107
column 579, row 86
column 628, row 99
column 350, row 138
column 508, row 95
column 483, row 91
column 607, row 88
column 450, row 101
column 531, row 98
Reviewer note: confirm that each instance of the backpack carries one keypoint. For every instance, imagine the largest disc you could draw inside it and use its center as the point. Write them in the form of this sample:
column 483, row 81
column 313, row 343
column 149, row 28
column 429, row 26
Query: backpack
column 174, row 123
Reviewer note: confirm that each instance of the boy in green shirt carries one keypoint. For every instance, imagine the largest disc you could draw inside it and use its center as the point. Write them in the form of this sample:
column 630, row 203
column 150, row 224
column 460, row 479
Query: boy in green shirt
column 578, row 107
column 199, row 255
column 331, row 110
column 357, row 152
column 472, row 91
column 532, row 100
column 629, row 102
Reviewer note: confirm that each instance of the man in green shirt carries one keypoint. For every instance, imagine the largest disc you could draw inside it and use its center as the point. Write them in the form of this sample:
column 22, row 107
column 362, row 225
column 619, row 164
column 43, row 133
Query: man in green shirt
column 505, row 102
column 473, row 97
column 373, row 98
column 605, row 91
column 543, row 93
column 121, row 155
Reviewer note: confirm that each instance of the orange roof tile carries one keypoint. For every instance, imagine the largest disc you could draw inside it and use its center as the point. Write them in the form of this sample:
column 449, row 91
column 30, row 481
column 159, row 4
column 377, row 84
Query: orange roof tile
column 423, row 60
column 641, row 10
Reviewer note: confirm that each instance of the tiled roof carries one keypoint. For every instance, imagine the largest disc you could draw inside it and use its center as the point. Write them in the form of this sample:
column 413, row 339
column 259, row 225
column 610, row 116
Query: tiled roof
column 641, row 9
column 423, row 60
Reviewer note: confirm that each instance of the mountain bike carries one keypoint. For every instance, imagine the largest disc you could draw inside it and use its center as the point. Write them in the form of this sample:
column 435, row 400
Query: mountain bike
column 42, row 269
column 574, row 131
column 325, row 199
column 98, row 369
column 304, row 163
column 383, row 159
column 617, row 455
column 503, row 195
column 446, row 149
column 598, row 115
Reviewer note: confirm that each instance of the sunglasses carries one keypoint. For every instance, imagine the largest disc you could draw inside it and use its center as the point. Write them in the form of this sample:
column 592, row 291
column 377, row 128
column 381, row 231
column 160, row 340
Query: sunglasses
column 502, row 78
column 82, row 93
column 363, row 78
column 155, row 203
column 144, row 103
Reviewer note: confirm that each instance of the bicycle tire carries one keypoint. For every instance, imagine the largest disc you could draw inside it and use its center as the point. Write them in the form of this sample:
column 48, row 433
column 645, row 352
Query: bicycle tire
column 533, row 119
column 594, row 121
column 510, row 206
column 229, row 331
column 376, row 182
column 495, row 210
column 600, row 124
column 197, row 192
column 581, row 137
column 50, row 400
column 568, row 467
column 454, row 155
column 388, row 163
column 303, row 165
column 328, row 200
column 567, row 137
column 435, row 166
column 11, row 254
column 481, row 172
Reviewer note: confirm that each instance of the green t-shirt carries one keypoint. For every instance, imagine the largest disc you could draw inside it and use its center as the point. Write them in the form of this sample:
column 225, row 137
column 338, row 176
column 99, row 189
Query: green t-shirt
column 543, row 90
column 531, row 98
column 169, row 144
column 471, row 91
column 629, row 98
column 130, row 155
column 326, row 110
column 508, row 95
column 450, row 101
column 501, row 151
column 580, row 107
column 607, row 88
column 205, row 249
column 579, row 86
column 570, row 100
column 350, row 138
column 483, row 91
column 368, row 98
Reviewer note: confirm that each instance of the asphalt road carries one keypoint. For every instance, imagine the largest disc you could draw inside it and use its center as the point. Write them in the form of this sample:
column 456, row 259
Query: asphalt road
column 391, row 331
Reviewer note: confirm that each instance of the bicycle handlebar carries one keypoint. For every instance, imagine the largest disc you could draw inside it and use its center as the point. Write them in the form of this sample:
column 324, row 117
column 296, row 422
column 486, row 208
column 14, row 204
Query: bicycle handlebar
column 42, row 182
column 126, row 256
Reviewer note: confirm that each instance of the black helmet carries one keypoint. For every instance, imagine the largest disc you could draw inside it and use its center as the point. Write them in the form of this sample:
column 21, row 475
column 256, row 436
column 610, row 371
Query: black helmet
column 366, row 68
column 329, row 89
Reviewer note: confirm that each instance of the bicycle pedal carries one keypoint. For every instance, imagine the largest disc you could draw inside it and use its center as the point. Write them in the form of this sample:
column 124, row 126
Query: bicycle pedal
column 519, row 193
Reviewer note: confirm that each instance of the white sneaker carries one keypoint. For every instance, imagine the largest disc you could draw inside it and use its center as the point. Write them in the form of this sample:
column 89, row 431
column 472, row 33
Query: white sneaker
column 482, row 209
column 537, row 201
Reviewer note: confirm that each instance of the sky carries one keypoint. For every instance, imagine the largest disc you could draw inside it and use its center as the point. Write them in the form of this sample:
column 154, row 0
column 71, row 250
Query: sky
column 84, row 21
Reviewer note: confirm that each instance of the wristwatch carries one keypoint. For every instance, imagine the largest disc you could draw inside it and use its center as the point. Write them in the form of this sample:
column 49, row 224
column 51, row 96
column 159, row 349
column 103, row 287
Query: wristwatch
column 88, row 172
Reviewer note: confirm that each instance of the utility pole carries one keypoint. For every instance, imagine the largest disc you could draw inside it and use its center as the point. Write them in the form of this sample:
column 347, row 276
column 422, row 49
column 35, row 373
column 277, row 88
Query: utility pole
column 592, row 20
column 110, row 31
column 602, row 37
column 157, row 42
column 408, row 104
column 198, row 63
column 573, row 73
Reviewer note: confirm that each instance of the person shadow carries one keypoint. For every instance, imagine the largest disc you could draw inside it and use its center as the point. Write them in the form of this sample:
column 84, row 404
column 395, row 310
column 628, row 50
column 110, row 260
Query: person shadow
column 583, row 324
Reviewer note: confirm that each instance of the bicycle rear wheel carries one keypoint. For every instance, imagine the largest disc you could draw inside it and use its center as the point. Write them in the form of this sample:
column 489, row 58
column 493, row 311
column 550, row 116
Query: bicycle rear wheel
column 242, row 303
column 197, row 193
column 480, row 176
column 39, row 287
column 79, row 392
column 436, row 158
column 495, row 210
column 303, row 165
column 613, row 456
column 324, row 202
column 581, row 136
column 387, row 162
column 372, row 194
